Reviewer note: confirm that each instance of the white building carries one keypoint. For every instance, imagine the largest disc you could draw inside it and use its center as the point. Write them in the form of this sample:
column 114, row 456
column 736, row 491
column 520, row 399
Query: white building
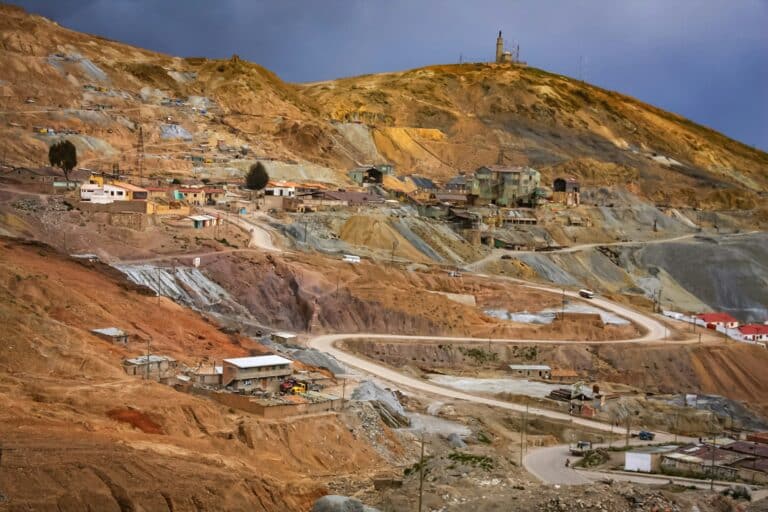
column 248, row 373
column 103, row 194
column 280, row 189
column 645, row 459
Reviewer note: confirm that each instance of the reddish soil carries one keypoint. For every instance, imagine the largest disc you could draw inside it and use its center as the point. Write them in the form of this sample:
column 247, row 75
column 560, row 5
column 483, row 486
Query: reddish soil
column 136, row 419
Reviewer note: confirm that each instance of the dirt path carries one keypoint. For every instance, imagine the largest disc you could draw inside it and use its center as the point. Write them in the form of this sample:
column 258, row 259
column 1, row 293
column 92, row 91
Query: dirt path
column 260, row 236
column 496, row 254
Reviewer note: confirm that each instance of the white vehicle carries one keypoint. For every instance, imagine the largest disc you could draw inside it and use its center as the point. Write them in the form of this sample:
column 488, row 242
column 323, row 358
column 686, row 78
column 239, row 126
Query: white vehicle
column 587, row 294
column 351, row 258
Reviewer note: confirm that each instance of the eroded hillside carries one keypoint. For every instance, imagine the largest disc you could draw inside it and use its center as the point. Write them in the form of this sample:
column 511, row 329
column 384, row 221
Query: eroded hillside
column 435, row 121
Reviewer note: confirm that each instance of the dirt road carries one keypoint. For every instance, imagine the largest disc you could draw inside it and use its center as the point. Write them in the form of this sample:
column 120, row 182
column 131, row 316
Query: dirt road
column 496, row 254
column 260, row 236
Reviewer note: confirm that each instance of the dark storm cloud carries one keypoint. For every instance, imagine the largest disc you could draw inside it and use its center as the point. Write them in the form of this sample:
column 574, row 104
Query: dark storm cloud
column 704, row 59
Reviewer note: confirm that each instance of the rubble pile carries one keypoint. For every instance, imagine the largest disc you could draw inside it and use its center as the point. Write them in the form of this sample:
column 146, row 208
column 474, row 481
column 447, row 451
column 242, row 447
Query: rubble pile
column 384, row 402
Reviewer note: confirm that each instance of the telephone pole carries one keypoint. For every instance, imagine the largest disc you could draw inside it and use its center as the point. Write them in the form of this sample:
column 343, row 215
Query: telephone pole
column 421, row 471
column 149, row 340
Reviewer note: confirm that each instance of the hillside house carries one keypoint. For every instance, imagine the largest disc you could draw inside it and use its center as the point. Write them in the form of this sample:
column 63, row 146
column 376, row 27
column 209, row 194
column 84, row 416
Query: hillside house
column 209, row 376
column 370, row 174
column 458, row 185
column 111, row 192
column 754, row 332
column 193, row 196
column 541, row 371
column 41, row 180
column 703, row 459
column 112, row 334
column 204, row 221
column 156, row 193
column 256, row 372
column 279, row 195
column 505, row 186
column 155, row 366
column 715, row 320
column 133, row 192
column 566, row 191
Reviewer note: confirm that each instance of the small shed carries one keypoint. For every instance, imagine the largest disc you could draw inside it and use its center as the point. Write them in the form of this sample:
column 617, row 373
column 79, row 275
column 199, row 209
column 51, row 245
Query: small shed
column 112, row 334
column 203, row 221
column 284, row 337
column 531, row 370
column 157, row 367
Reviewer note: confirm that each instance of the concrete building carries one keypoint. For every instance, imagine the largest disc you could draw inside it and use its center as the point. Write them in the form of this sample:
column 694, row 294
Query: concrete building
column 111, row 192
column 155, row 366
column 715, row 320
column 209, row 376
column 646, row 459
column 204, row 221
column 112, row 334
column 257, row 372
column 284, row 337
column 505, row 186
column 370, row 174
column 531, row 370
column 458, row 185
column 702, row 459
column 566, row 191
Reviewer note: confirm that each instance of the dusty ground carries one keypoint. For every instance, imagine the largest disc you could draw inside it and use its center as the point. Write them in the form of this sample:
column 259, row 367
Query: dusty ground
column 69, row 409
column 51, row 220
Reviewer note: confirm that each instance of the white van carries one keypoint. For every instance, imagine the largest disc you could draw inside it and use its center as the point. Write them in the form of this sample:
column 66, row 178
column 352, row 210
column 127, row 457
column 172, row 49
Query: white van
column 351, row 258
column 587, row 294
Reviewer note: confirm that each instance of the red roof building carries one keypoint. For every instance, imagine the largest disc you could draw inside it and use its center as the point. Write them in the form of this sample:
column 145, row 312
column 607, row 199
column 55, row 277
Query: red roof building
column 754, row 332
column 719, row 320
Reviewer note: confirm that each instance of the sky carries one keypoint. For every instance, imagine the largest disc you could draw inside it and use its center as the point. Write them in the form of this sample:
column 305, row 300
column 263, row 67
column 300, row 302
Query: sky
column 704, row 59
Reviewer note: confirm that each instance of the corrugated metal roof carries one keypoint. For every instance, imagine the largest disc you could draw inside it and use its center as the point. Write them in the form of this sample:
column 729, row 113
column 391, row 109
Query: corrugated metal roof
column 109, row 331
column 257, row 361
column 530, row 367
column 152, row 359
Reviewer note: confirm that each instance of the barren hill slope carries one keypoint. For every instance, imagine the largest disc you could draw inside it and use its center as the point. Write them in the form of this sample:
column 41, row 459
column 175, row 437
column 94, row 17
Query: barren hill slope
column 434, row 121
column 77, row 433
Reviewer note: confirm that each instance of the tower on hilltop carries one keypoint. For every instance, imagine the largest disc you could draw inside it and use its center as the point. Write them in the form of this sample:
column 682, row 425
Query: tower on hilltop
column 502, row 56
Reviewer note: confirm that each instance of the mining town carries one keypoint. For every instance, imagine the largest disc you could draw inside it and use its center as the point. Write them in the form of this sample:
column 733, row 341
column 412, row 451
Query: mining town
column 232, row 282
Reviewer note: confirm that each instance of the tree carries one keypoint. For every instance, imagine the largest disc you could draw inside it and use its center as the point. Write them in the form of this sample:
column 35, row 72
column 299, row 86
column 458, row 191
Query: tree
column 257, row 177
column 64, row 156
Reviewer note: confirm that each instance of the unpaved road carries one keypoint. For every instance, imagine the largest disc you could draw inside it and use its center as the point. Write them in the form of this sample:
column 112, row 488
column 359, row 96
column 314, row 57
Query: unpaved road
column 547, row 464
column 496, row 254
column 260, row 237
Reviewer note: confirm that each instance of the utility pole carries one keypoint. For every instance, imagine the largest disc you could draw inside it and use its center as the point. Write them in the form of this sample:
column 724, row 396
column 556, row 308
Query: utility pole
column 140, row 156
column 629, row 420
column 712, row 468
column 343, row 392
column 421, row 471
column 562, row 312
column 148, row 342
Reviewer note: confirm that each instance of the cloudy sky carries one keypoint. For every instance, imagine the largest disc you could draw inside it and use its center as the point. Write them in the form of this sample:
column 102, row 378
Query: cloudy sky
column 704, row 59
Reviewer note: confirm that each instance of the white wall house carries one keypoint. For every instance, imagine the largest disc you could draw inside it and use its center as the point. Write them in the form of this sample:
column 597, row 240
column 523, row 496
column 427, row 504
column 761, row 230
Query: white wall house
column 280, row 190
column 102, row 193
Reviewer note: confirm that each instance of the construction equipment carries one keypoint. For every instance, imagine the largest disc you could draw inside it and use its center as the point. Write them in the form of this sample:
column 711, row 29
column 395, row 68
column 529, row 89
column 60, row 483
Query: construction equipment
column 292, row 386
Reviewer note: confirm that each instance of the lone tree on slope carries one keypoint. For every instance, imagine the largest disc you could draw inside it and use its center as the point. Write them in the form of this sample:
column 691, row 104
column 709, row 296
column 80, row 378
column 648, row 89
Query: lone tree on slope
column 257, row 177
column 63, row 155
